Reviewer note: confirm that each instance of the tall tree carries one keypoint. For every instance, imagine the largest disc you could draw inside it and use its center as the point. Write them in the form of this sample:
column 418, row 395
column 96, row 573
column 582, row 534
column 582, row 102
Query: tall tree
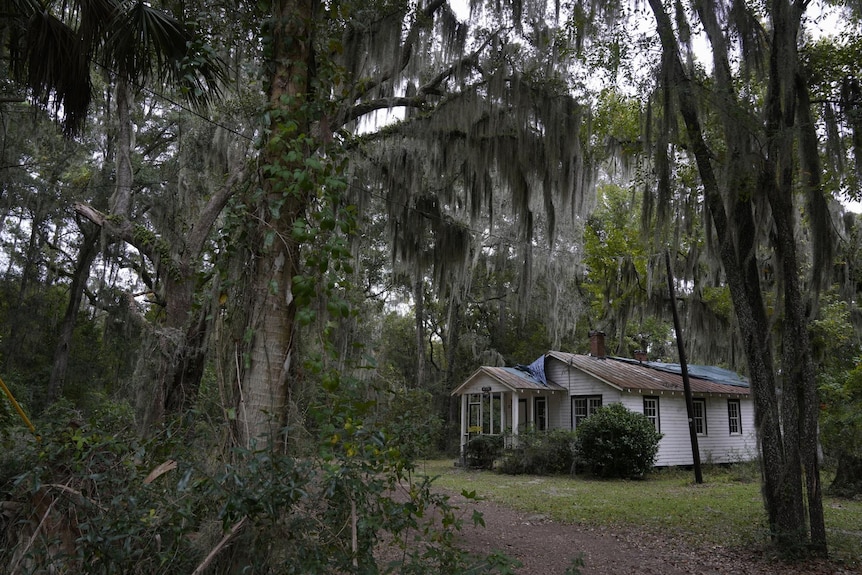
column 53, row 50
column 749, row 179
column 471, row 100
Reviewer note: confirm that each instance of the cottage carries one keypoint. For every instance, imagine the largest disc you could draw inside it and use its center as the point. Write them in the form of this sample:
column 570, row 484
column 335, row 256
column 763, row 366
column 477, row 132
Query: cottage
column 559, row 390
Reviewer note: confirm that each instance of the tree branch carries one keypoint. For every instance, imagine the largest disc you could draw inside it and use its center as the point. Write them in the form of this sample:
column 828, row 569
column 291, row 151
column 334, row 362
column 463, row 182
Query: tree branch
column 201, row 228
column 430, row 88
column 117, row 227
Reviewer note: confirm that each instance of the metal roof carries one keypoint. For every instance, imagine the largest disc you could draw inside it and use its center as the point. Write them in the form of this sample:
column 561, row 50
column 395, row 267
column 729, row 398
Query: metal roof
column 511, row 377
column 631, row 375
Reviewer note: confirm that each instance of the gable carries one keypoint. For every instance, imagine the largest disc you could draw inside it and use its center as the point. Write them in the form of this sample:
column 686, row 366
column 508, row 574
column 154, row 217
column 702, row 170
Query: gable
column 505, row 379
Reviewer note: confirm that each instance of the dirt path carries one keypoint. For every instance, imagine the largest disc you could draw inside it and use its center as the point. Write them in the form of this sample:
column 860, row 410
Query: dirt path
column 545, row 547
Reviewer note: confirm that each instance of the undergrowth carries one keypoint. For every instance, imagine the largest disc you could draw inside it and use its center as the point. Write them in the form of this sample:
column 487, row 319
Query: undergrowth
column 89, row 495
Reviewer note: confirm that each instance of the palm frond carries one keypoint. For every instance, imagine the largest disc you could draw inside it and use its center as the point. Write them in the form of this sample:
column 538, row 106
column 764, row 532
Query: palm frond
column 57, row 69
column 147, row 43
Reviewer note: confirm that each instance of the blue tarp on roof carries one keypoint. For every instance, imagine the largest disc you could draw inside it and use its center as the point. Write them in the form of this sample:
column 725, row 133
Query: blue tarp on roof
column 707, row 372
column 536, row 369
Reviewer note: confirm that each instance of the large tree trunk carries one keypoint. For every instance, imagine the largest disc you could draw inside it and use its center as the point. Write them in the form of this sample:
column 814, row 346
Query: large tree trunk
column 263, row 389
column 86, row 255
column 169, row 373
column 736, row 232
column 799, row 397
column 121, row 200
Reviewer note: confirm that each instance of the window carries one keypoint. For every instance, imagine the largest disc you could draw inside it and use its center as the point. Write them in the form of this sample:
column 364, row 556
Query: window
column 541, row 406
column 651, row 411
column 734, row 418
column 475, row 410
column 699, row 405
column 584, row 406
column 485, row 413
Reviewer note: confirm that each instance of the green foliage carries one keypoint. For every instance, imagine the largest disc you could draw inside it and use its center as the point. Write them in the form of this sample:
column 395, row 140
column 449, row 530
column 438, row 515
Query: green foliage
column 615, row 257
column 841, row 416
column 100, row 351
column 618, row 119
column 617, row 442
column 717, row 299
column 652, row 335
column 839, row 381
column 113, row 508
column 86, row 477
column 407, row 416
column 482, row 451
column 540, row 453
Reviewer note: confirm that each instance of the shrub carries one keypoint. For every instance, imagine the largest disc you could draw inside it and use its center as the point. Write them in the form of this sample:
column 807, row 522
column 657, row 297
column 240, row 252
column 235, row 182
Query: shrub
column 481, row 451
column 405, row 414
column 106, row 503
column 616, row 442
column 540, row 453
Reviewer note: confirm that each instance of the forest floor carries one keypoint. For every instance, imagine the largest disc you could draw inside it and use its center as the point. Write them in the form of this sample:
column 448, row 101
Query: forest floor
column 546, row 547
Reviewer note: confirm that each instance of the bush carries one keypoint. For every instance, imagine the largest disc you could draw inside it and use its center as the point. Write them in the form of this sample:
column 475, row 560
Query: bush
column 616, row 442
column 106, row 503
column 405, row 414
column 540, row 453
column 482, row 450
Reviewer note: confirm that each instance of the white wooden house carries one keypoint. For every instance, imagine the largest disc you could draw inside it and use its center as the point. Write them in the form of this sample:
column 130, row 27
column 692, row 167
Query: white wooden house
column 560, row 389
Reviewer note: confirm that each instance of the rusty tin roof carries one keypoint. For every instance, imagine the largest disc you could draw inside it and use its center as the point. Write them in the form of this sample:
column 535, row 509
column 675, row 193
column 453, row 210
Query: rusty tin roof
column 628, row 375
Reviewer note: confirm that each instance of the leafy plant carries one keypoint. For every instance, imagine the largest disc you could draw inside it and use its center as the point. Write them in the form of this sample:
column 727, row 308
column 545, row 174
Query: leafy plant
column 617, row 442
column 110, row 502
column 540, row 453
column 483, row 450
column 406, row 414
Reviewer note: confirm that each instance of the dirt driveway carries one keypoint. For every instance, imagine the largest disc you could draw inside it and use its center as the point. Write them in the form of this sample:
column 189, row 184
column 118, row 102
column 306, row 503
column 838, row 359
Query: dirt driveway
column 545, row 547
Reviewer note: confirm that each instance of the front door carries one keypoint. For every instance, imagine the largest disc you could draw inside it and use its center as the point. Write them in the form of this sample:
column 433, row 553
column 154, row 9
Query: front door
column 522, row 414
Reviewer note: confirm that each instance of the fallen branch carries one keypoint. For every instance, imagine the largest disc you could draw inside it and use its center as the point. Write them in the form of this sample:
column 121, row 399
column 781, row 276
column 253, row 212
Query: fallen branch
column 168, row 465
column 67, row 489
column 221, row 545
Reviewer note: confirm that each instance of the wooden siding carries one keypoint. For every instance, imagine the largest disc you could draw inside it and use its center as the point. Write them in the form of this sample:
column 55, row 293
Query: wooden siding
column 716, row 446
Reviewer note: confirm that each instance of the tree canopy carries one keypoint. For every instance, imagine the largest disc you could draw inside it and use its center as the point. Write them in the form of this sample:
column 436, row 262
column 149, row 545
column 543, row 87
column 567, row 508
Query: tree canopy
column 279, row 222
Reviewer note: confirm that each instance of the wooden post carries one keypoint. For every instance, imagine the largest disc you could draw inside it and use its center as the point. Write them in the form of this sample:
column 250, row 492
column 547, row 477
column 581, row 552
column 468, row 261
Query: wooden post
column 689, row 404
column 463, row 438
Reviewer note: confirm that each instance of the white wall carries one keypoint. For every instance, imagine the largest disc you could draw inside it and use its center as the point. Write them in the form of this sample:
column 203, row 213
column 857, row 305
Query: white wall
column 716, row 446
column 577, row 383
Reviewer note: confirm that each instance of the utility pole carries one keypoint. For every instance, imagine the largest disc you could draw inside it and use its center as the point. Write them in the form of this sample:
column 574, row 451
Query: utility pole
column 686, row 384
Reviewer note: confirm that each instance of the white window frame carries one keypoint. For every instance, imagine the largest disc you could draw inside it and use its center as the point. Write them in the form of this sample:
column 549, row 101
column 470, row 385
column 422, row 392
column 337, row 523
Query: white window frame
column 485, row 411
column 700, row 424
column 591, row 404
column 652, row 413
column 734, row 417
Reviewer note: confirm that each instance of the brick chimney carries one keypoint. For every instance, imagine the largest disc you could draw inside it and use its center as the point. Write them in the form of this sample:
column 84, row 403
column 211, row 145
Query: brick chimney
column 597, row 344
column 640, row 355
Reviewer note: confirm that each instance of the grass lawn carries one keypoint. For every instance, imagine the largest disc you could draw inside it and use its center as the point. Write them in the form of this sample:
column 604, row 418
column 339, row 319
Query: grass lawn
column 726, row 509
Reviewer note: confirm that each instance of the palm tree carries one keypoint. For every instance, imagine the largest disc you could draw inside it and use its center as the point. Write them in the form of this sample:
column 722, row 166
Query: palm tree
column 54, row 48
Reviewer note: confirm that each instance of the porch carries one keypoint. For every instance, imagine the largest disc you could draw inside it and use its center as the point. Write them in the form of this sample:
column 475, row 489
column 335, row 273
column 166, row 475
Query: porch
column 498, row 400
